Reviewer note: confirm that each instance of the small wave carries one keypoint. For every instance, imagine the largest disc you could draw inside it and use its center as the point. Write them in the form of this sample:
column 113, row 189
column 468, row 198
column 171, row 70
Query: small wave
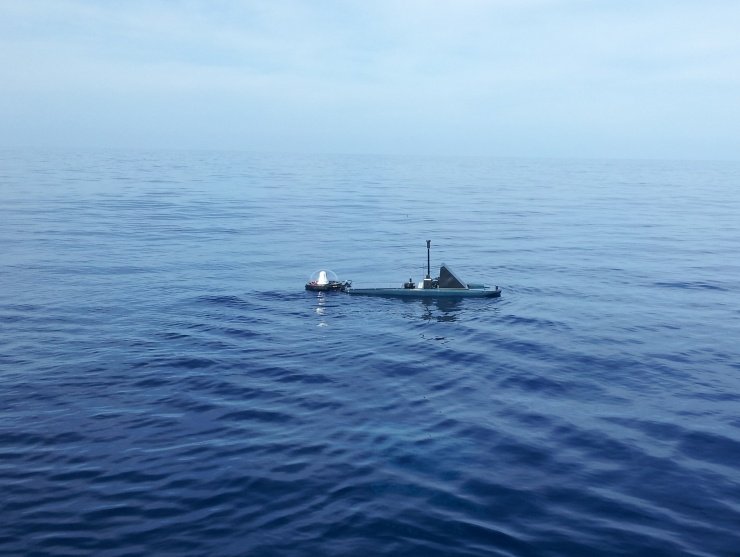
column 226, row 301
column 535, row 322
column 254, row 414
column 692, row 285
column 184, row 362
column 711, row 447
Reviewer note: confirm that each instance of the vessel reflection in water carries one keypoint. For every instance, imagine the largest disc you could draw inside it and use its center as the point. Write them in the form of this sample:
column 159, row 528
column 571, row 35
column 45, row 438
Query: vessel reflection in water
column 435, row 309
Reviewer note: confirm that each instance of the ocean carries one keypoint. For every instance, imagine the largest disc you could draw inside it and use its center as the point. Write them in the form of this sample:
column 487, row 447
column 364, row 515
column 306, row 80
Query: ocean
column 168, row 387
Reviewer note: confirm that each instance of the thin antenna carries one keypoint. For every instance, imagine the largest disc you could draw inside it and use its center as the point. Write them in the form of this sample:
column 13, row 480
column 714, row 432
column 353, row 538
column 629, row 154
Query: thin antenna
column 429, row 243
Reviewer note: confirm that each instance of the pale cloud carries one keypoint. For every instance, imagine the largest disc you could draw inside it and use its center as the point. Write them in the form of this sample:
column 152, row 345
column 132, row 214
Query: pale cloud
column 484, row 77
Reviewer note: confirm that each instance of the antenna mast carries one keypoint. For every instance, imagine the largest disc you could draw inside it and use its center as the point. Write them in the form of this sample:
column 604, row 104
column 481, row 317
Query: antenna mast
column 429, row 243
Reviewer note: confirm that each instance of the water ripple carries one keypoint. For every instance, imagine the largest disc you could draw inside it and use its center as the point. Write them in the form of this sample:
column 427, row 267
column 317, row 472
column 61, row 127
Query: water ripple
column 168, row 387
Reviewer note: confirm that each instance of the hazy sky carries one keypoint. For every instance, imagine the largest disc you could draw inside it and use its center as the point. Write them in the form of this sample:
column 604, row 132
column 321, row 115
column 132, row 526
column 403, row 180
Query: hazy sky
column 553, row 78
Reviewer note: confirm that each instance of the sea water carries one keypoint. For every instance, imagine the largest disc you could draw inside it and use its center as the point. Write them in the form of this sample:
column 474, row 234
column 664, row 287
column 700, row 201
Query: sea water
column 167, row 387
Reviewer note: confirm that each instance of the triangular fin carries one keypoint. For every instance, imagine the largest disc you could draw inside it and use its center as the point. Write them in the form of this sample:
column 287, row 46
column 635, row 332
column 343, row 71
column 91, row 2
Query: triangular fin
column 448, row 278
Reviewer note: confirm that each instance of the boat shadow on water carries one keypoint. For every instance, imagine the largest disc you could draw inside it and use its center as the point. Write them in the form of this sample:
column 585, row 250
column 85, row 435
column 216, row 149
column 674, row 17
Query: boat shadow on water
column 436, row 309
column 427, row 309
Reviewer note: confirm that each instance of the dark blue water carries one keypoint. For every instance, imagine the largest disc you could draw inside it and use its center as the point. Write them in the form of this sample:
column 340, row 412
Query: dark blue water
column 167, row 387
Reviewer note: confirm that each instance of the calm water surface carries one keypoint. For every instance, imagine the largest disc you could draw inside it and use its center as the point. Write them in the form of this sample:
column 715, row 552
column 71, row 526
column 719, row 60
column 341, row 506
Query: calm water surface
column 167, row 387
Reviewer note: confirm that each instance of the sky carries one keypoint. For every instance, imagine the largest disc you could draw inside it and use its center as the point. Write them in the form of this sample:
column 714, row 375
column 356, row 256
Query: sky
column 509, row 78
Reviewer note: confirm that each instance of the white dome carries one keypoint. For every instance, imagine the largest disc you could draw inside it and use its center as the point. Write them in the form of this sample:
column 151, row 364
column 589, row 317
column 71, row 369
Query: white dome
column 324, row 276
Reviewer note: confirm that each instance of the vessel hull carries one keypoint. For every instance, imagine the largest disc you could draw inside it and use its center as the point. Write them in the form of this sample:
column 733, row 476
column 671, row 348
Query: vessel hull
column 427, row 292
column 331, row 287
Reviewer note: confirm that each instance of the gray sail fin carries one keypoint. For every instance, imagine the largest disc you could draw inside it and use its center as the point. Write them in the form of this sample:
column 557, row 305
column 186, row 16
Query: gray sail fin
column 448, row 278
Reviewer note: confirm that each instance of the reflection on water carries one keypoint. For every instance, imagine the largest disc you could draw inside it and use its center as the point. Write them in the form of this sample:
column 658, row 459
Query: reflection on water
column 321, row 309
column 432, row 309
column 439, row 309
